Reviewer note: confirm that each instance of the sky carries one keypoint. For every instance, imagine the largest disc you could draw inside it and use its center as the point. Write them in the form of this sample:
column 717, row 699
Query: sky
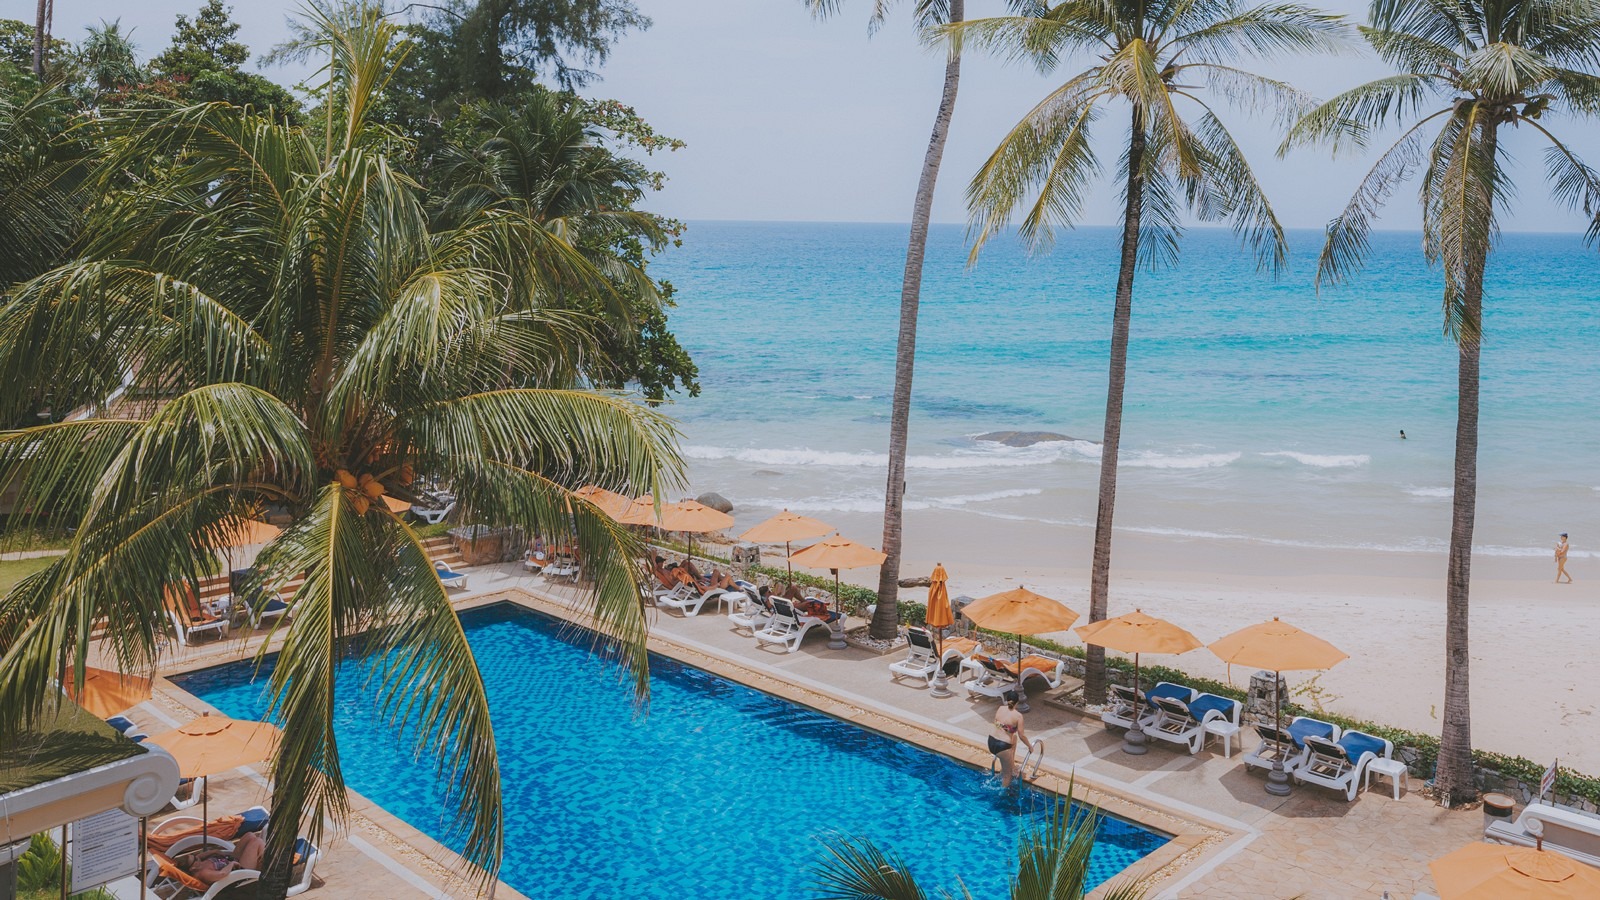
column 788, row 118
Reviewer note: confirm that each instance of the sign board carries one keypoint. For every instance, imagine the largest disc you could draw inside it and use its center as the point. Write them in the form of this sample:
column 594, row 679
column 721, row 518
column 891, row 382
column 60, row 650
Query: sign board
column 104, row 848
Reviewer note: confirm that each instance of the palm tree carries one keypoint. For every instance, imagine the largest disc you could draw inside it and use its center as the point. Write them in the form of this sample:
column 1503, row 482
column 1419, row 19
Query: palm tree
column 300, row 337
column 1054, row 864
column 927, row 14
column 1467, row 71
column 1158, row 61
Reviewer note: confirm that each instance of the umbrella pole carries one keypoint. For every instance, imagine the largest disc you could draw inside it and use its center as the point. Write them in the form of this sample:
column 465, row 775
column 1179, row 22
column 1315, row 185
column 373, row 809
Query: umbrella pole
column 786, row 554
column 1022, row 695
column 144, row 852
column 1278, row 780
column 1134, row 741
column 940, row 686
column 836, row 627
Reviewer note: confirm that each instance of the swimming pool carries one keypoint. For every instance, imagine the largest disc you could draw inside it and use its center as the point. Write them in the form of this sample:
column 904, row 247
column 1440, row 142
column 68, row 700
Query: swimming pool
column 720, row 792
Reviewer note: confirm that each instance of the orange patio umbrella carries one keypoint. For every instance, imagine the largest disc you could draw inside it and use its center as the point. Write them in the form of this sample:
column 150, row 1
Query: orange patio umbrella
column 211, row 745
column 1137, row 633
column 611, row 503
column 939, row 618
column 1484, row 871
column 691, row 518
column 837, row 553
column 639, row 511
column 1020, row 611
column 395, row 504
column 787, row 526
column 106, row 693
column 1281, row 647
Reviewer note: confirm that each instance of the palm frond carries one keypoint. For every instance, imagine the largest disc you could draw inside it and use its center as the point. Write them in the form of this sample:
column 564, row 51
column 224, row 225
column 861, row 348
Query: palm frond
column 1346, row 120
column 1346, row 245
column 1261, row 32
column 1572, row 182
column 858, row 869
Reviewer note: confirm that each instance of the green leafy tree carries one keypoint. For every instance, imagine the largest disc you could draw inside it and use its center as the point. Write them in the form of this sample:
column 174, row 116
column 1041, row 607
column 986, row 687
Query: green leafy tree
column 546, row 164
column 207, row 63
column 1053, row 865
column 106, row 60
column 495, row 44
column 305, row 337
column 1467, row 72
column 1163, row 66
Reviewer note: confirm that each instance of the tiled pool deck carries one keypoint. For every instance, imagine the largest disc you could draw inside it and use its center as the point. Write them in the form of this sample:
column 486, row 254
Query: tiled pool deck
column 1232, row 838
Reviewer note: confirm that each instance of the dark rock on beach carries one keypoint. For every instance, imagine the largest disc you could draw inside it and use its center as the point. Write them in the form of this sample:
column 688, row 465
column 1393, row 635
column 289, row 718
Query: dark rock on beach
column 716, row 501
column 1023, row 438
column 919, row 581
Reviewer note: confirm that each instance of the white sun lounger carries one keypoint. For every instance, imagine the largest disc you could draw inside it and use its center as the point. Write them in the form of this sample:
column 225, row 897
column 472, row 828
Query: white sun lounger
column 1565, row 831
column 1185, row 723
column 1338, row 765
column 450, row 579
column 921, row 660
column 1289, row 744
column 787, row 628
column 690, row 605
column 752, row 613
column 995, row 679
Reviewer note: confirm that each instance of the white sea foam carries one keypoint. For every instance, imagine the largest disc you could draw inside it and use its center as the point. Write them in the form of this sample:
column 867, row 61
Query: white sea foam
column 1147, row 459
column 873, row 502
column 1431, row 493
column 1324, row 461
column 999, row 458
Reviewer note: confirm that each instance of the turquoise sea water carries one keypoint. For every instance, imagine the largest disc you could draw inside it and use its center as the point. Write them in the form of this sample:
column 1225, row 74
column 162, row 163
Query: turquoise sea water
column 720, row 792
column 1256, row 410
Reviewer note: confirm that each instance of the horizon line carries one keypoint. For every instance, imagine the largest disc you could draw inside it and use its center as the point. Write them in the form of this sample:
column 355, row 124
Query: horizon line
column 1193, row 227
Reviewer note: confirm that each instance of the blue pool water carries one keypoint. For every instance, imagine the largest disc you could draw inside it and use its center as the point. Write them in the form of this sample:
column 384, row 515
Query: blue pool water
column 719, row 792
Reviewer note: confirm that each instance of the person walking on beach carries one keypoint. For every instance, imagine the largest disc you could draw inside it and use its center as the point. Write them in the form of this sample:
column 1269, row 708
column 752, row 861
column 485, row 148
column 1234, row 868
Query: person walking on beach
column 1561, row 559
column 1009, row 731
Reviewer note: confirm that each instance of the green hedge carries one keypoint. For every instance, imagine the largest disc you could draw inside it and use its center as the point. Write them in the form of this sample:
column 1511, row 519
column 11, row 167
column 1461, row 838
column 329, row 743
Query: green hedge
column 855, row 599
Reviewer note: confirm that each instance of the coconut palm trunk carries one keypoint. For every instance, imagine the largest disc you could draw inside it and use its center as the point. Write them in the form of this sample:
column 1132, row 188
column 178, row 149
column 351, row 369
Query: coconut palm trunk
column 886, row 618
column 41, row 35
column 1454, row 777
column 1111, row 442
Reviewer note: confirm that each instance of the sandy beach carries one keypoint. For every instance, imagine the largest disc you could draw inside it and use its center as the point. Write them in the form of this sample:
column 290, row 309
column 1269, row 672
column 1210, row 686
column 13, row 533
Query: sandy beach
column 1533, row 693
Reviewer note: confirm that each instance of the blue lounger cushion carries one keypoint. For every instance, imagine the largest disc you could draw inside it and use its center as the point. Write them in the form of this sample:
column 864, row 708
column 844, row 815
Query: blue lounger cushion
column 1355, row 744
column 1167, row 689
column 1305, row 728
column 1207, row 702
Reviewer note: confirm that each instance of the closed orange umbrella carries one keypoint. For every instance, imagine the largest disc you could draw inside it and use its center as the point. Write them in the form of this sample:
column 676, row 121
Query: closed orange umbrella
column 1281, row 647
column 107, row 693
column 939, row 618
column 1484, row 871
column 1020, row 611
column 1137, row 633
column 211, row 745
column 787, row 526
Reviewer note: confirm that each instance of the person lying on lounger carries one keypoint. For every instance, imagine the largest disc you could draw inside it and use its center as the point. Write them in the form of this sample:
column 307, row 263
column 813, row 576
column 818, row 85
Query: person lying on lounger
column 211, row 866
column 705, row 582
column 816, row 609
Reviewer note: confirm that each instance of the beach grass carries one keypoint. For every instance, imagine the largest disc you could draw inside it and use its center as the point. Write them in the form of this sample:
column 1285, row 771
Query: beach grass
column 14, row 570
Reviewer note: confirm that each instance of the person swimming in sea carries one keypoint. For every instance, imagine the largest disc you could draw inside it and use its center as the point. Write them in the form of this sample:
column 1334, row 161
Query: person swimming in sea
column 1402, row 434
column 1009, row 731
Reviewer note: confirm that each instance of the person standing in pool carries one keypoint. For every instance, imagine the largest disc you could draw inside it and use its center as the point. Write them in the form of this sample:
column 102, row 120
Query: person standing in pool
column 1561, row 559
column 1009, row 731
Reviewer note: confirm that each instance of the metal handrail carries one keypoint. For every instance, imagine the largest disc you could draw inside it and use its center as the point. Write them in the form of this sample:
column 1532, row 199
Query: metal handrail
column 1035, row 754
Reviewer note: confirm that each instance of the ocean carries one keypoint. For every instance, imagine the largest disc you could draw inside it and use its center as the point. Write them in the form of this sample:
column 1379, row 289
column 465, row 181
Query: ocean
column 1257, row 411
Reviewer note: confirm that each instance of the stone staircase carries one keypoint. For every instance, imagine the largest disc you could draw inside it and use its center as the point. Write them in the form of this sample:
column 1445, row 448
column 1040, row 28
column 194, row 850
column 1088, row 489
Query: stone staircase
column 441, row 549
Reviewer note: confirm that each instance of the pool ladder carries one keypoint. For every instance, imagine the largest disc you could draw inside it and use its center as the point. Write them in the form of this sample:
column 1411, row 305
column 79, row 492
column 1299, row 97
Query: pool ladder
column 1034, row 755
